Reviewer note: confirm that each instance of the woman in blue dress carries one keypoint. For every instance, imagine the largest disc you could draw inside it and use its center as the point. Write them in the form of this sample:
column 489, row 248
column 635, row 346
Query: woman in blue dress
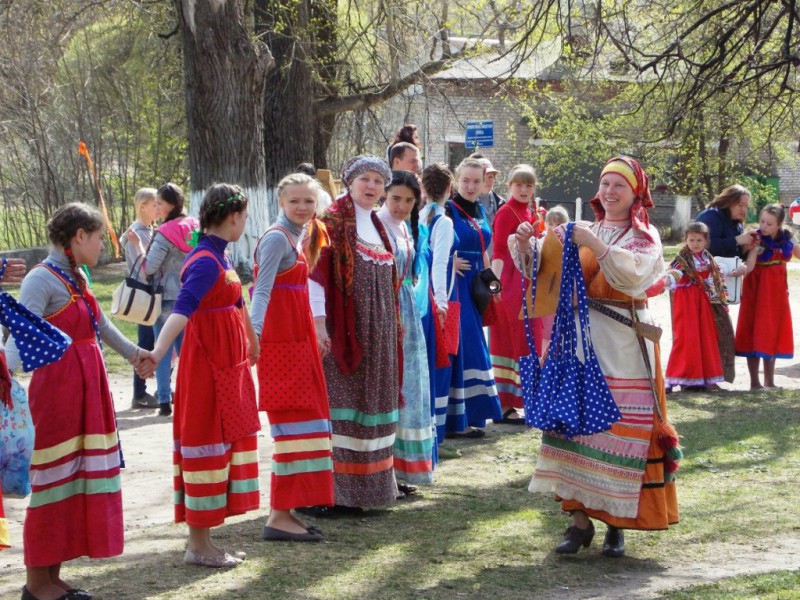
column 413, row 447
column 473, row 395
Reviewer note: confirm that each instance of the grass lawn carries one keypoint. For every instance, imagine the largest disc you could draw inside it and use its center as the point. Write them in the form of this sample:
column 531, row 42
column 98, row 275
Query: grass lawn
column 781, row 585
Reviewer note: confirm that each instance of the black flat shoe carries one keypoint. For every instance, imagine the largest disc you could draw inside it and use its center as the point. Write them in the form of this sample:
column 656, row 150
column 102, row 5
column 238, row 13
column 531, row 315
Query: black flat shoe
column 26, row 595
column 614, row 543
column 511, row 417
column 329, row 512
column 574, row 538
column 471, row 434
column 406, row 490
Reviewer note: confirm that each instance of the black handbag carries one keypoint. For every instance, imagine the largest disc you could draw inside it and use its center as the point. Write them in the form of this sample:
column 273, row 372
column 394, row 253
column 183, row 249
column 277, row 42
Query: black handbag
column 484, row 286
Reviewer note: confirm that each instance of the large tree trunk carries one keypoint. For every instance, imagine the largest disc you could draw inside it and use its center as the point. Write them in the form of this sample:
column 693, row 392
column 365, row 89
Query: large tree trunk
column 225, row 73
column 301, row 35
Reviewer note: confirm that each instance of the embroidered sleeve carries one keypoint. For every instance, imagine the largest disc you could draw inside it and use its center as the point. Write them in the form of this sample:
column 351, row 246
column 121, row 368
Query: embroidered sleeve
column 634, row 264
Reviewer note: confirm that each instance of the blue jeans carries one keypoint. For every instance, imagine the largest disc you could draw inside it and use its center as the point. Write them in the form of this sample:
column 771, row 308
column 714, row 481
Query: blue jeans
column 164, row 368
column 145, row 338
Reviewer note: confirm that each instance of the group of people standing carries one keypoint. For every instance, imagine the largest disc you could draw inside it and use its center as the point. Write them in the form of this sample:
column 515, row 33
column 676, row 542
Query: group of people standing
column 704, row 343
column 366, row 327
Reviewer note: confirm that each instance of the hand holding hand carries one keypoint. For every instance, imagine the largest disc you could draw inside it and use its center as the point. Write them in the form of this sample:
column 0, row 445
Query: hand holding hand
column 253, row 354
column 144, row 364
column 12, row 270
column 323, row 340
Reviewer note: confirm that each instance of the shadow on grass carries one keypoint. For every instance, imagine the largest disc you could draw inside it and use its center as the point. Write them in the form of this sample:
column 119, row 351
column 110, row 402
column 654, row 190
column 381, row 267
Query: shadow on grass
column 732, row 419
column 475, row 533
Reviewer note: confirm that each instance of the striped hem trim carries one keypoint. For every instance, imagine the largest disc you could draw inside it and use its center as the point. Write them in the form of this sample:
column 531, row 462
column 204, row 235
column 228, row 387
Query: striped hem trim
column 413, row 446
column 361, row 445
column 303, row 445
column 199, row 477
column 345, row 468
column 300, row 428
column 367, row 420
column 109, row 485
column 464, row 393
column 92, row 463
column 504, row 361
column 419, row 435
column 244, row 458
column 302, row 466
column 201, row 451
column 95, row 441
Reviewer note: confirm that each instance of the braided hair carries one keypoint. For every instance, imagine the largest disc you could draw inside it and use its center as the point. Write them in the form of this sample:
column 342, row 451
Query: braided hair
column 63, row 226
column 221, row 200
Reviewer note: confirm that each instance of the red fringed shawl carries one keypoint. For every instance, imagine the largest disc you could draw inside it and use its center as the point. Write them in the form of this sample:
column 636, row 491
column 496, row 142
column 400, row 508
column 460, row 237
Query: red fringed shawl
column 334, row 272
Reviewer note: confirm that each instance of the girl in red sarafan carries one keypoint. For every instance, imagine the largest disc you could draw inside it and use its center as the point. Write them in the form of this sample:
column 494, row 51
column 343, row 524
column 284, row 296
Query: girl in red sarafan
column 75, row 507
column 216, row 418
column 695, row 281
column 291, row 381
column 764, row 329
column 507, row 341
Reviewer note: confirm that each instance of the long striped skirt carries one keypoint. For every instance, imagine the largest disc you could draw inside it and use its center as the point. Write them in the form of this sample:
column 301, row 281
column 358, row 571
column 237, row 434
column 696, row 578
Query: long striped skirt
column 413, row 448
column 212, row 478
column 616, row 476
column 76, row 502
column 364, row 404
column 473, row 394
column 302, row 463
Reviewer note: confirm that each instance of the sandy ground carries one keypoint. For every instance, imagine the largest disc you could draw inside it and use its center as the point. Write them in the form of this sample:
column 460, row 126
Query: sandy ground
column 147, row 444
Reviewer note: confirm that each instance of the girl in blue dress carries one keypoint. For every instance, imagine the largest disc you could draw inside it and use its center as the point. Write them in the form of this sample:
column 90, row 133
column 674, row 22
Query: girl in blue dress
column 473, row 395
column 413, row 447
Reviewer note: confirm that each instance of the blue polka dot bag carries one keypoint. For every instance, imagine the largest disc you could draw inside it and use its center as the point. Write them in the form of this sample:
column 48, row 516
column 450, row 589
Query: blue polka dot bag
column 530, row 370
column 39, row 343
column 572, row 397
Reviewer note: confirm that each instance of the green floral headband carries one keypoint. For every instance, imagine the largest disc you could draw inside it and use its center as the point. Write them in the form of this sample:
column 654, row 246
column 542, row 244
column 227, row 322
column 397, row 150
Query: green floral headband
column 236, row 196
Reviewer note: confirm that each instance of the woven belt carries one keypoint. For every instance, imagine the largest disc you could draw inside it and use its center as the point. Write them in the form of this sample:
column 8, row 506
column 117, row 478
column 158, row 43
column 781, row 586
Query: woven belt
column 621, row 303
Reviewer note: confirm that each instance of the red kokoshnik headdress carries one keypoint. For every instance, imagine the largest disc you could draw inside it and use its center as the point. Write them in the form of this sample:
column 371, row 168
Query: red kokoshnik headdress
column 633, row 173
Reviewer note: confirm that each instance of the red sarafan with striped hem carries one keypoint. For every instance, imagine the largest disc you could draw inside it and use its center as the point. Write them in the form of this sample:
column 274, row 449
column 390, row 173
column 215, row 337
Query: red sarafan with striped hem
column 76, row 503
column 292, row 391
column 216, row 452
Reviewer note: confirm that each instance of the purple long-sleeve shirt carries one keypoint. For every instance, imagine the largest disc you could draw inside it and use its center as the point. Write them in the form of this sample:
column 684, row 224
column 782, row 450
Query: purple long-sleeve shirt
column 198, row 279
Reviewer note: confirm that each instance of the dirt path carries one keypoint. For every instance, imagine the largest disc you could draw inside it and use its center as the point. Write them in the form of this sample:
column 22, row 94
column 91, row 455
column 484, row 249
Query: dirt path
column 147, row 443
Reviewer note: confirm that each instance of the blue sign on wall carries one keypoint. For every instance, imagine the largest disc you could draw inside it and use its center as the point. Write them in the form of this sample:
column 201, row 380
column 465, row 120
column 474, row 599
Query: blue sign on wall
column 479, row 134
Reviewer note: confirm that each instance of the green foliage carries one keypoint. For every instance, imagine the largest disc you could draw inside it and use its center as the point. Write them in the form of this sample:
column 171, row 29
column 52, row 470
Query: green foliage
column 104, row 77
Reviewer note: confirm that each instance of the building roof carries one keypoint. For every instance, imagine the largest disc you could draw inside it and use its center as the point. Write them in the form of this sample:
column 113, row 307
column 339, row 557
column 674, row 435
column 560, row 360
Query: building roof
column 545, row 63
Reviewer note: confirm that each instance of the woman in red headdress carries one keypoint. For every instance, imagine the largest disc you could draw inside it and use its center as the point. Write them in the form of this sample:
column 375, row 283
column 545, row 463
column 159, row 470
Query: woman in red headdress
column 622, row 477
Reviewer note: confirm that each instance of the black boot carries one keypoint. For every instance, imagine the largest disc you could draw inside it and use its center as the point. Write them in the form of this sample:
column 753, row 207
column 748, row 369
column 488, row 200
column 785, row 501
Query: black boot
column 574, row 538
column 614, row 543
